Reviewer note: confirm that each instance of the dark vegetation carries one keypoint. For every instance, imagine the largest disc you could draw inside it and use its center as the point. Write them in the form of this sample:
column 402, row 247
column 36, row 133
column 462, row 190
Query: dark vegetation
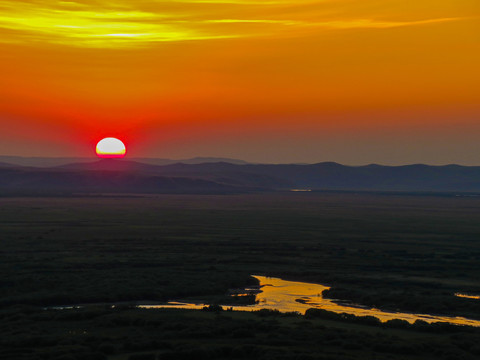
column 410, row 253
column 132, row 334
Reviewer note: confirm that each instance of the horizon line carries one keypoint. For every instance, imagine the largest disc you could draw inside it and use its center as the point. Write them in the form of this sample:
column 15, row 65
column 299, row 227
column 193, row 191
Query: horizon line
column 220, row 158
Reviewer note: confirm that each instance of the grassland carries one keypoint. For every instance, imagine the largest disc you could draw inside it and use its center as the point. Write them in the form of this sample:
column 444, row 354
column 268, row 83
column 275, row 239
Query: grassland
column 404, row 252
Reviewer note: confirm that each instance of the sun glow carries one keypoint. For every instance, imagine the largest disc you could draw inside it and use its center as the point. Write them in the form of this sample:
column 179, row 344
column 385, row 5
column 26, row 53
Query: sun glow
column 111, row 148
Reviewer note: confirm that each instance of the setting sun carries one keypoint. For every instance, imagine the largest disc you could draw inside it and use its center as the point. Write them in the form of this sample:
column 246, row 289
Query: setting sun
column 111, row 148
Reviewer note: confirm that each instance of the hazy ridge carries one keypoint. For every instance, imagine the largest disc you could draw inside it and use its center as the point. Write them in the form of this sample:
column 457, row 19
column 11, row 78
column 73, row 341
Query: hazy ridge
column 124, row 176
column 58, row 161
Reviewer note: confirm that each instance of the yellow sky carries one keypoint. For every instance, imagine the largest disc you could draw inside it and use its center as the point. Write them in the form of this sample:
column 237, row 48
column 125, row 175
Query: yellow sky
column 118, row 24
column 226, row 77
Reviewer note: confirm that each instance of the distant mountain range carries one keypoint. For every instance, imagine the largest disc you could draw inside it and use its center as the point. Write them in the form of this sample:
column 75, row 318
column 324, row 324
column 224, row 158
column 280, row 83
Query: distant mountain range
column 124, row 176
column 57, row 161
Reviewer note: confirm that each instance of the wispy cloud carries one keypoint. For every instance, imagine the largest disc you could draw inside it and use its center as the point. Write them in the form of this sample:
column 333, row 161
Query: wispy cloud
column 337, row 24
column 131, row 24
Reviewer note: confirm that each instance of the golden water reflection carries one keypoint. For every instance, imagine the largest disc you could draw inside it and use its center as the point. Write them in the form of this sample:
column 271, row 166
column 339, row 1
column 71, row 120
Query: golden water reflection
column 466, row 296
column 287, row 296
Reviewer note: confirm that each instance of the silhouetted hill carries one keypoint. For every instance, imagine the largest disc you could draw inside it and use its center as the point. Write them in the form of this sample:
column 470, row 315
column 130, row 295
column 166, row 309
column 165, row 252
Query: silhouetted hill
column 41, row 161
column 110, row 165
column 110, row 175
column 4, row 165
column 49, row 182
column 221, row 172
column 195, row 160
column 59, row 161
column 334, row 176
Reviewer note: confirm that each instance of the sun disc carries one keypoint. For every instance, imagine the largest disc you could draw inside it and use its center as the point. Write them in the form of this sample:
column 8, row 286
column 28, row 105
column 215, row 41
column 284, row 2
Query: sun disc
column 111, row 148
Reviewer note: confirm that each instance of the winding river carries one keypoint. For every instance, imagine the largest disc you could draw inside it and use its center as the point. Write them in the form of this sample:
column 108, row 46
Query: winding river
column 287, row 296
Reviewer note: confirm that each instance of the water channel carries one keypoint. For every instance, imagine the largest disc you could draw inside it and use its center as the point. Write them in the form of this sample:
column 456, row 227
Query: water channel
column 287, row 296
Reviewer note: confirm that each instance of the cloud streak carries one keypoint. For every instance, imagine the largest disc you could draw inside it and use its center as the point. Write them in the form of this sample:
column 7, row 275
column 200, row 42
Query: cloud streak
column 134, row 24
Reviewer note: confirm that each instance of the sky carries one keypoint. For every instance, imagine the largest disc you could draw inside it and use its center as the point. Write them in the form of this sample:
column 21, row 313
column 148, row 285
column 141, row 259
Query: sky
column 357, row 82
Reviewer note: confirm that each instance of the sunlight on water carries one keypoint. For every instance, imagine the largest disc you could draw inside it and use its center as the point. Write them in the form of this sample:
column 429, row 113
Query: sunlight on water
column 466, row 296
column 286, row 296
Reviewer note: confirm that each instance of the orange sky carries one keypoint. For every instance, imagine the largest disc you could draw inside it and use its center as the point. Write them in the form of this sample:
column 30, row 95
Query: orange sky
column 352, row 81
